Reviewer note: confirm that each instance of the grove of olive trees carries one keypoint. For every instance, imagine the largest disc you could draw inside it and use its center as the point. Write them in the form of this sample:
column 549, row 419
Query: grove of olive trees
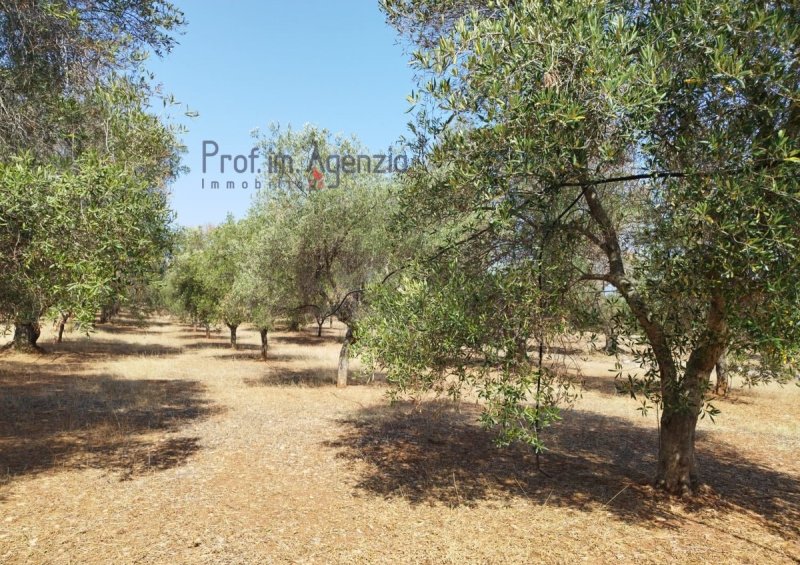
column 585, row 184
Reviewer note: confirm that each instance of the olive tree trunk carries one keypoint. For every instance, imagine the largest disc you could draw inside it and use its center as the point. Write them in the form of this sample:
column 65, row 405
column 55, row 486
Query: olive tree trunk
column 677, row 467
column 264, row 346
column 26, row 334
column 62, row 321
column 232, row 328
column 344, row 359
column 723, row 382
column 682, row 398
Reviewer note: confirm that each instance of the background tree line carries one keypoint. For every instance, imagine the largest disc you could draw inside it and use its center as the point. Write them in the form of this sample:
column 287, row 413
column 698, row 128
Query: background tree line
column 303, row 252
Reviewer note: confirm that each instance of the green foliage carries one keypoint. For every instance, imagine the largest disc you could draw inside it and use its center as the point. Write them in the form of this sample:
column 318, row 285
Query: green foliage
column 84, row 219
column 650, row 147
column 55, row 53
column 457, row 326
column 318, row 247
column 221, row 265
column 191, row 292
column 75, row 237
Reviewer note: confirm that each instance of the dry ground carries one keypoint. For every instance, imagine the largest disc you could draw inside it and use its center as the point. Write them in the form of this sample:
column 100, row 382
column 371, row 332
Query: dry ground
column 153, row 445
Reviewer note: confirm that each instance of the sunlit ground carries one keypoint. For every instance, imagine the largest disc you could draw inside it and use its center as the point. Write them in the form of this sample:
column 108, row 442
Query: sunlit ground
column 157, row 445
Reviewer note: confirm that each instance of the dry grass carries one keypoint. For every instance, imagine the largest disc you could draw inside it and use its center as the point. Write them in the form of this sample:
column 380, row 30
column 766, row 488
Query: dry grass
column 153, row 444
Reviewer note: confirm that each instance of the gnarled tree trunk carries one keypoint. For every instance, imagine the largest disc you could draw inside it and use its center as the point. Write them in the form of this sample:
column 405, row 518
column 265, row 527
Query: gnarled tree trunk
column 26, row 334
column 264, row 346
column 344, row 359
column 677, row 467
column 683, row 400
column 233, row 327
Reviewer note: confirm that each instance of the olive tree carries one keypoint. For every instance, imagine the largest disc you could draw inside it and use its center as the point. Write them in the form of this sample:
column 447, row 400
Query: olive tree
column 53, row 53
column 221, row 260
column 115, row 226
column 84, row 163
column 263, row 284
column 189, row 290
column 661, row 136
column 326, row 226
column 78, row 231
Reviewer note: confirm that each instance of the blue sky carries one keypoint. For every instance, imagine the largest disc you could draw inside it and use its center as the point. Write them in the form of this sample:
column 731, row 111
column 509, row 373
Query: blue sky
column 245, row 63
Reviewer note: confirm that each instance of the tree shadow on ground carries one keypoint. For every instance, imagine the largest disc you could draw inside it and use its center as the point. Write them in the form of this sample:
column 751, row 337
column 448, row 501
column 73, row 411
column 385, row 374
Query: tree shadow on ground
column 606, row 385
column 739, row 393
column 610, row 386
column 329, row 336
column 108, row 348
column 133, row 321
column 198, row 334
column 221, row 344
column 126, row 325
column 313, row 377
column 210, row 343
column 436, row 456
column 244, row 356
column 120, row 329
column 52, row 421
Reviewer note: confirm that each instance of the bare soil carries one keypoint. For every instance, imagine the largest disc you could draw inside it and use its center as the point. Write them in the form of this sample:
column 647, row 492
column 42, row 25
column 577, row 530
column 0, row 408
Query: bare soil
column 155, row 445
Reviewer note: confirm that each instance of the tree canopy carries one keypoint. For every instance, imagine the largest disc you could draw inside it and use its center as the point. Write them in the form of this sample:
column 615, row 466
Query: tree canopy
column 54, row 52
column 648, row 147
column 85, row 162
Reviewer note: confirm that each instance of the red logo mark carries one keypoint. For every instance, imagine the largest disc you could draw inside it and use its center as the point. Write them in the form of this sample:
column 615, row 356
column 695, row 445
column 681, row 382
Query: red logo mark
column 318, row 181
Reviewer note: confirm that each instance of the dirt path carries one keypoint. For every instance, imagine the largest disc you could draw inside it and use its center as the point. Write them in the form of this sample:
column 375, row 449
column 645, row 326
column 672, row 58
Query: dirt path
column 156, row 445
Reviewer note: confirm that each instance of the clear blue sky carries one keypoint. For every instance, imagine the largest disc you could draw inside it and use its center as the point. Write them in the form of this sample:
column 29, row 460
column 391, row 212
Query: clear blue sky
column 245, row 63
